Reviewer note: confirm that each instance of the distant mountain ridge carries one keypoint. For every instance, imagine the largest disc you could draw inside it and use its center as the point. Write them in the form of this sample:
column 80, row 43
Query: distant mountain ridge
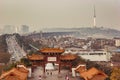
column 99, row 32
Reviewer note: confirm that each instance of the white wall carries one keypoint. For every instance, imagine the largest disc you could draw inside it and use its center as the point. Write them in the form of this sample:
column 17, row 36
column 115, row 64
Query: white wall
column 117, row 42
column 95, row 57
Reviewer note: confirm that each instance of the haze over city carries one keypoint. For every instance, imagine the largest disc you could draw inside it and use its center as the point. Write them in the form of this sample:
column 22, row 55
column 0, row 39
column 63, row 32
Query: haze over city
column 39, row 14
column 59, row 40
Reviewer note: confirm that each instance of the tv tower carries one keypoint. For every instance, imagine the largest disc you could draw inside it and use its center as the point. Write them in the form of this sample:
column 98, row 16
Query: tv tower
column 16, row 29
column 94, row 18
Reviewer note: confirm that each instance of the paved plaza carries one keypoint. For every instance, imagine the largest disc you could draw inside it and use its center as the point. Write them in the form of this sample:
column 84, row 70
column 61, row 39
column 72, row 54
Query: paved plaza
column 38, row 71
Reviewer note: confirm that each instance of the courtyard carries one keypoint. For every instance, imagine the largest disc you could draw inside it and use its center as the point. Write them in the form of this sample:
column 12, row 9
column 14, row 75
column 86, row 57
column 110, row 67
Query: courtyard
column 52, row 75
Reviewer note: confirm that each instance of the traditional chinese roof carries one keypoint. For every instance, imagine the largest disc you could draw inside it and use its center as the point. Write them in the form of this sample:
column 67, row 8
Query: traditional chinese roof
column 22, row 68
column 11, row 78
column 68, row 57
column 93, row 74
column 35, row 57
column 15, row 74
column 98, row 77
column 52, row 50
column 80, row 68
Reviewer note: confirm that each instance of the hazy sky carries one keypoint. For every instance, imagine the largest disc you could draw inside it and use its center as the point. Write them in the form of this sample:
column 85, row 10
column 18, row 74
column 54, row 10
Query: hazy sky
column 59, row 13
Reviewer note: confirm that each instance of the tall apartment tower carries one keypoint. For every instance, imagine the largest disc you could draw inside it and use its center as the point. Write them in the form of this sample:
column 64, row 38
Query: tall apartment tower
column 94, row 18
column 8, row 29
column 41, row 34
column 24, row 29
column 16, row 29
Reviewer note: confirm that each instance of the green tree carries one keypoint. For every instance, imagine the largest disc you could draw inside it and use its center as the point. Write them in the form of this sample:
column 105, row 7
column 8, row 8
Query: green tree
column 115, row 75
column 78, row 60
column 25, row 61
column 9, row 66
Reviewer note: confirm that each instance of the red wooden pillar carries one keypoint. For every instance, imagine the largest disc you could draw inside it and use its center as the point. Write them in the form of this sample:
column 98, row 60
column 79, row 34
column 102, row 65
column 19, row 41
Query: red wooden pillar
column 70, row 67
column 59, row 68
column 44, row 70
column 32, row 69
column 59, row 73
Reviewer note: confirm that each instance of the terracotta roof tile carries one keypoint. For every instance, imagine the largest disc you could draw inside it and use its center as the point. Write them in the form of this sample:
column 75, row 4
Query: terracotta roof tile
column 52, row 50
column 68, row 57
column 98, row 77
column 35, row 57
column 24, row 70
column 15, row 74
column 11, row 78
column 81, row 69
column 91, row 73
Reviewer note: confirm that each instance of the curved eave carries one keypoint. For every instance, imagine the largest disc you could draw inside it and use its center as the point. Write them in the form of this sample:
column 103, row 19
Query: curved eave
column 67, row 59
column 52, row 50
column 35, row 57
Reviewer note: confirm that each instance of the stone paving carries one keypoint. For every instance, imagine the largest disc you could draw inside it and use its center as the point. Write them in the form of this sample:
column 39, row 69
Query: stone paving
column 39, row 72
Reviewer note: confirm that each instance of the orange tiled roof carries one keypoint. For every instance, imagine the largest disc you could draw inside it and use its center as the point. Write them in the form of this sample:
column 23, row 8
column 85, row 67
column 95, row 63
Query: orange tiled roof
column 52, row 50
column 68, row 57
column 35, row 57
column 80, row 69
column 98, row 77
column 15, row 74
column 93, row 73
column 22, row 69
column 11, row 78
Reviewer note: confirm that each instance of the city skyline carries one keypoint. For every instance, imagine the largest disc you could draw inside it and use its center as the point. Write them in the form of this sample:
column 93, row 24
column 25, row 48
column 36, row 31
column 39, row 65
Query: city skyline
column 60, row 13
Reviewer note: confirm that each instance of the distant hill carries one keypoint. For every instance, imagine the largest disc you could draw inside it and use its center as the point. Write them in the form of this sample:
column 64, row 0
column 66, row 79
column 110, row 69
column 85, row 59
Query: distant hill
column 89, row 32
column 4, row 55
column 3, row 45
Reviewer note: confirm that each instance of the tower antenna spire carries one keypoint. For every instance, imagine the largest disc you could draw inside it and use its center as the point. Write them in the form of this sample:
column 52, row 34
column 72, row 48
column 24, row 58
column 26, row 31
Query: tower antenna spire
column 94, row 18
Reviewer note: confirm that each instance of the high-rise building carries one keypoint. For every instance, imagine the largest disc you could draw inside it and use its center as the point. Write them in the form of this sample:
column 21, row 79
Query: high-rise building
column 8, row 29
column 16, row 29
column 24, row 29
column 41, row 34
column 0, row 30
